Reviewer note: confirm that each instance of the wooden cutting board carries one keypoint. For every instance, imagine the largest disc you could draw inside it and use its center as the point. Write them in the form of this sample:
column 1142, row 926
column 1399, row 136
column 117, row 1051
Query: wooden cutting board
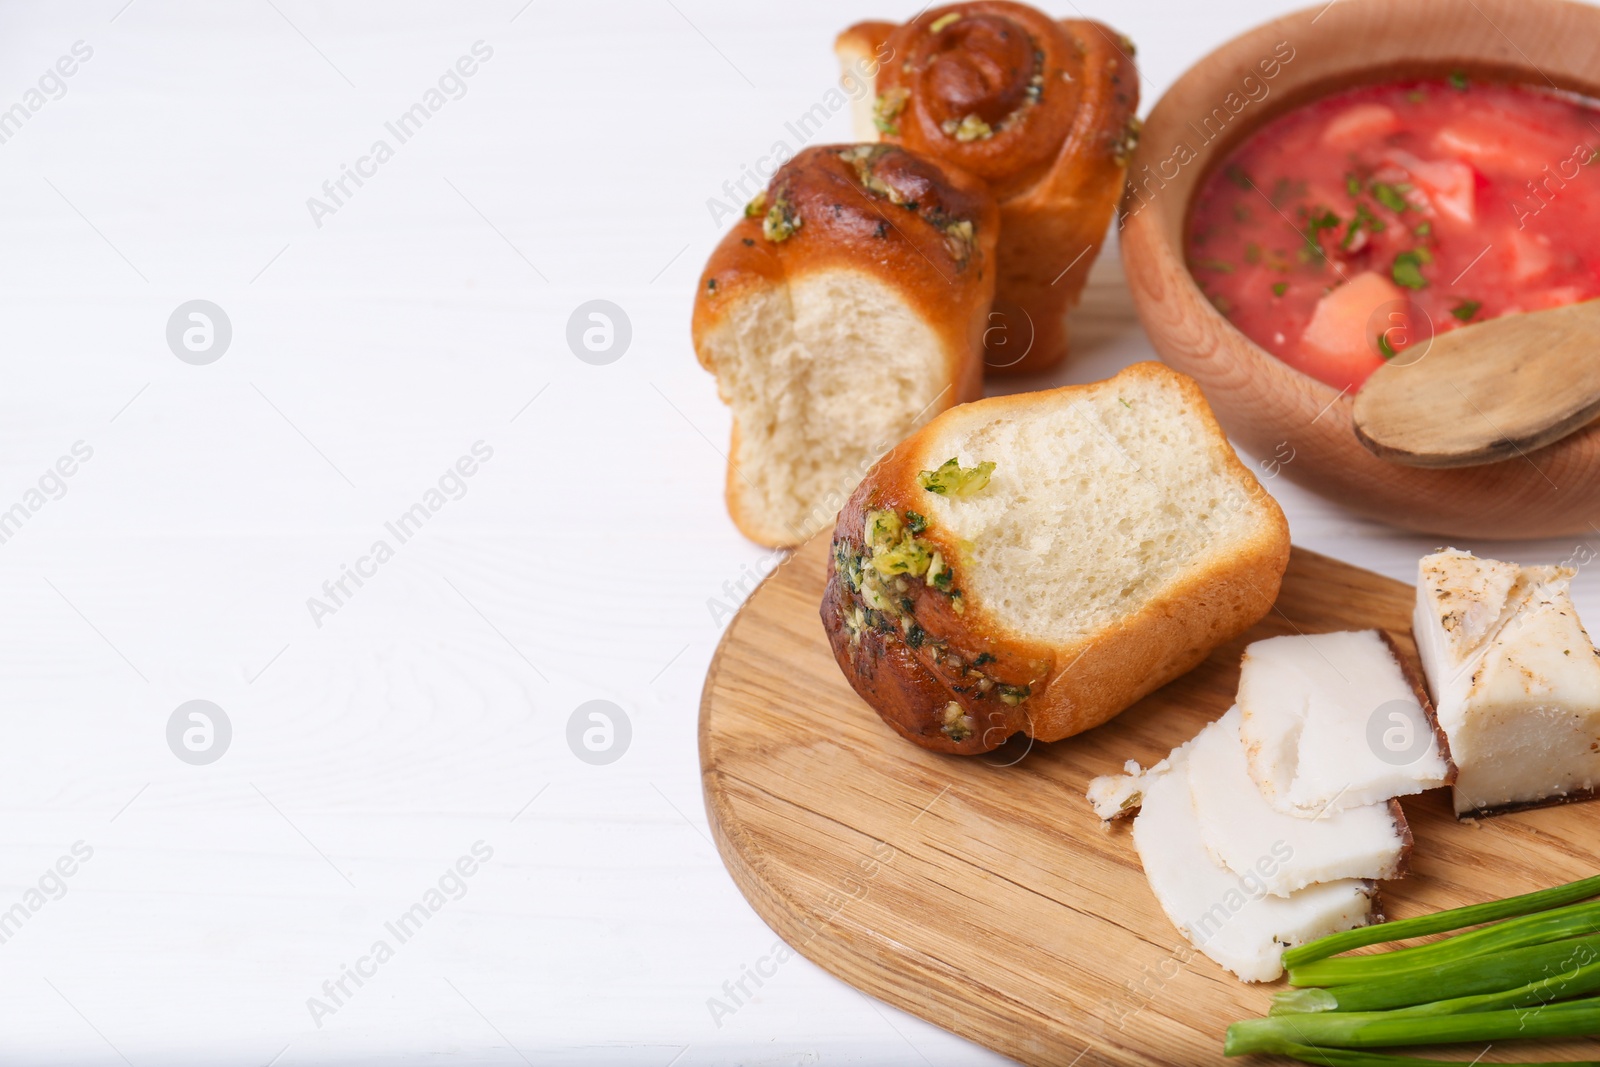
column 981, row 893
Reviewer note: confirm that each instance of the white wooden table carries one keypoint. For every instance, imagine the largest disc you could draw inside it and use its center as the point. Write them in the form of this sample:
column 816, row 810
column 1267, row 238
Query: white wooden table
column 418, row 720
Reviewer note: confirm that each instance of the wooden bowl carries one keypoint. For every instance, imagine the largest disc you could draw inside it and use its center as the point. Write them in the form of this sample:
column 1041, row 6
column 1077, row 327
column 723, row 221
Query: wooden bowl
column 1272, row 410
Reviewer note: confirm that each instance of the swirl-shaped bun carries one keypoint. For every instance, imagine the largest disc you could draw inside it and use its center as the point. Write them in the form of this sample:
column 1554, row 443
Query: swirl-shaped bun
column 846, row 308
column 1041, row 110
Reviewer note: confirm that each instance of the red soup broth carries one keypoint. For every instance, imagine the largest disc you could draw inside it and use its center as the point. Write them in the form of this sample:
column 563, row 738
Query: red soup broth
column 1367, row 221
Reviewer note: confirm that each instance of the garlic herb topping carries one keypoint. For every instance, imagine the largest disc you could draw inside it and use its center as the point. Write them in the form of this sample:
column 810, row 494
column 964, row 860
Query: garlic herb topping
column 973, row 127
column 781, row 221
column 894, row 555
column 887, row 107
column 970, row 128
column 955, row 481
column 960, row 234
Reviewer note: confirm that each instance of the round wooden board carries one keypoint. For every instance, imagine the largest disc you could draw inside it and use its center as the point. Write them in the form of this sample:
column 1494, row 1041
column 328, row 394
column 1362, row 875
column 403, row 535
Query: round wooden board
column 981, row 893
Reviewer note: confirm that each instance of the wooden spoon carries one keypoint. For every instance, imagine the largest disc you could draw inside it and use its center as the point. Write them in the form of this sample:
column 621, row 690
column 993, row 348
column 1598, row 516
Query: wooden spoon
column 1487, row 392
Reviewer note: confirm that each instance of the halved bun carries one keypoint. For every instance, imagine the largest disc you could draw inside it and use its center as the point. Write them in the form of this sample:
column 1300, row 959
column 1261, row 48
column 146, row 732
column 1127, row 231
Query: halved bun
column 842, row 312
column 1117, row 541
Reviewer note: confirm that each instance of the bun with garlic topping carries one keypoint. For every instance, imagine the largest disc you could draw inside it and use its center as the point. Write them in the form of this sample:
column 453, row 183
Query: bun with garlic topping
column 844, row 309
column 1036, row 563
column 1043, row 111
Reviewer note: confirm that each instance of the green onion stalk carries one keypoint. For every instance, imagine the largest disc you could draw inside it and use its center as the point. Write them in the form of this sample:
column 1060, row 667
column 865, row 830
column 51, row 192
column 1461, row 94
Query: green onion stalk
column 1565, row 968
column 1531, row 969
column 1542, row 928
column 1442, row 921
column 1376, row 1029
column 1343, row 1057
column 1460, row 973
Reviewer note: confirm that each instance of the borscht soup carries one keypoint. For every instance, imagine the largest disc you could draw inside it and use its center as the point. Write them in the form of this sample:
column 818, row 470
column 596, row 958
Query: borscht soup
column 1360, row 224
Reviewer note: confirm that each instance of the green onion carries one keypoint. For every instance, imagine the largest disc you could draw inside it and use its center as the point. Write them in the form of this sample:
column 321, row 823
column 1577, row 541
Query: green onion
column 1374, row 1029
column 1570, row 965
column 1533, row 972
column 1573, row 983
column 1442, row 921
column 1539, row 928
column 1341, row 1057
column 1524, row 930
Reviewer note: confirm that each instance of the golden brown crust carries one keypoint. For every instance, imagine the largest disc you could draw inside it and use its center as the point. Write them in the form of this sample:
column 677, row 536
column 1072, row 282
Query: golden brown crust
column 868, row 207
column 1042, row 110
column 1070, row 688
column 927, row 230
